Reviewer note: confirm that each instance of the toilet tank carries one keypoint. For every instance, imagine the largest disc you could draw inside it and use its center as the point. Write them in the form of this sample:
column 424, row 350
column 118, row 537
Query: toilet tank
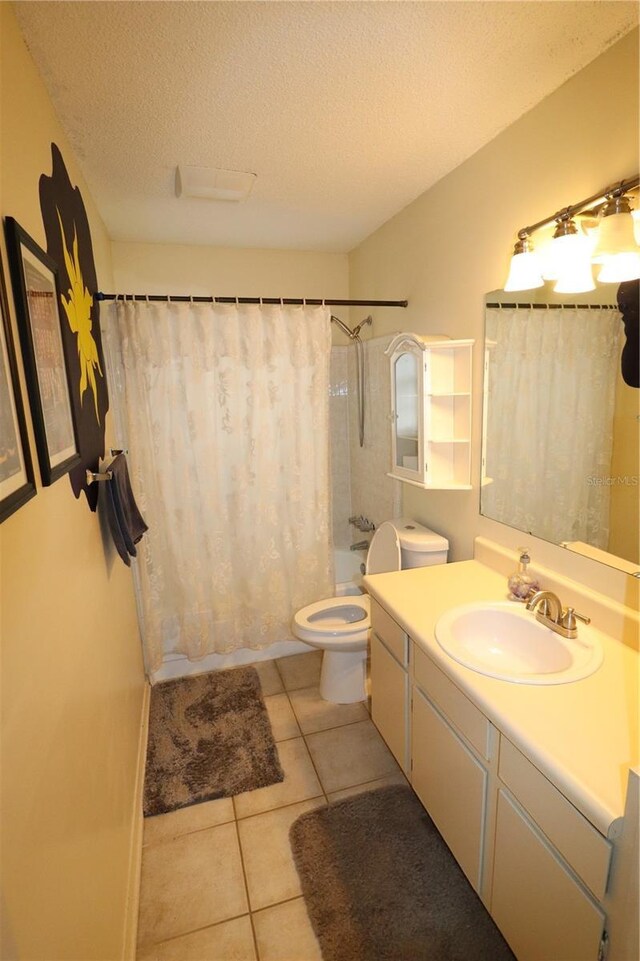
column 420, row 546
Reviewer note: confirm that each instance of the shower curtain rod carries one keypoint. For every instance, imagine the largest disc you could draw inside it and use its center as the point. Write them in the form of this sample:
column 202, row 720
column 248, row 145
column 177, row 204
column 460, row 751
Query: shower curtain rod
column 554, row 306
column 302, row 301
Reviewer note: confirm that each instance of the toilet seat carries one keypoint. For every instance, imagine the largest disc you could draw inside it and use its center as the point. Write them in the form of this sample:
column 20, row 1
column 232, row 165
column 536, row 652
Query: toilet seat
column 341, row 622
column 340, row 626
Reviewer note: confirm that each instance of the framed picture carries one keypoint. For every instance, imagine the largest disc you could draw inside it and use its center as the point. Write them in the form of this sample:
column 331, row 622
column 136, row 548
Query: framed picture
column 35, row 286
column 17, row 484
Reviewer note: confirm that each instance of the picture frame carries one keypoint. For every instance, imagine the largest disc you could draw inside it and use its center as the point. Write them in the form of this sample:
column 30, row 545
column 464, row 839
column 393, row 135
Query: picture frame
column 34, row 276
column 17, row 481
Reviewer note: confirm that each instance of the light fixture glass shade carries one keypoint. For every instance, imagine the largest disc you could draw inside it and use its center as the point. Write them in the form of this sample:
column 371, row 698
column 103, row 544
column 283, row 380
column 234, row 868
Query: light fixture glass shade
column 615, row 236
column 620, row 267
column 572, row 264
column 524, row 272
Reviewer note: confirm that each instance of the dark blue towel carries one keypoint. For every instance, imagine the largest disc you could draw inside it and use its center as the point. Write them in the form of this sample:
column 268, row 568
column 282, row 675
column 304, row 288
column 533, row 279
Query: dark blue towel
column 126, row 523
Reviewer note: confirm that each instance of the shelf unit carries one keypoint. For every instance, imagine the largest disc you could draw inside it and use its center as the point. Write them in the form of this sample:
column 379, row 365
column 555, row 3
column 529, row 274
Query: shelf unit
column 431, row 411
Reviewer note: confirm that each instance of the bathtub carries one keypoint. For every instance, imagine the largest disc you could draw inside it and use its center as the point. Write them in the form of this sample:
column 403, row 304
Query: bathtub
column 347, row 571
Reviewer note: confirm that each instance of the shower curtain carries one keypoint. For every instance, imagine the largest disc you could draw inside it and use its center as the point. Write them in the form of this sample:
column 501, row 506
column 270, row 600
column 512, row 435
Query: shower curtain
column 551, row 397
column 224, row 412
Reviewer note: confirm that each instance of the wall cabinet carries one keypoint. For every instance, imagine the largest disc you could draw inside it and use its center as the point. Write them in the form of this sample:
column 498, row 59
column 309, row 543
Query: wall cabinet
column 431, row 411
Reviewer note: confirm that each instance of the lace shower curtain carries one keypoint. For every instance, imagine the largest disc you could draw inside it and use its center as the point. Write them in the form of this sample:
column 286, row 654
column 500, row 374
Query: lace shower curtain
column 224, row 410
column 550, row 413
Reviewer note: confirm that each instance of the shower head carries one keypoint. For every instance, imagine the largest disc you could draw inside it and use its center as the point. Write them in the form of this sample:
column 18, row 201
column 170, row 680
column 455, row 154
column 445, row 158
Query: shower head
column 367, row 320
column 351, row 334
column 343, row 327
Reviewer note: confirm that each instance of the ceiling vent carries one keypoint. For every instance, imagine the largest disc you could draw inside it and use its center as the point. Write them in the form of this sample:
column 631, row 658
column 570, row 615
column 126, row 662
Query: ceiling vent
column 209, row 183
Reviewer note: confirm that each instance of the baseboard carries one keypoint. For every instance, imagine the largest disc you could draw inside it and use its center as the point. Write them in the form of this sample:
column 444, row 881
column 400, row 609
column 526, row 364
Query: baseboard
column 130, row 938
column 177, row 665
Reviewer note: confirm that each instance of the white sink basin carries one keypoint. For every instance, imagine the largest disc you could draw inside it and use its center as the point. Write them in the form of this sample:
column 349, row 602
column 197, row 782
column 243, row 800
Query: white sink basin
column 505, row 641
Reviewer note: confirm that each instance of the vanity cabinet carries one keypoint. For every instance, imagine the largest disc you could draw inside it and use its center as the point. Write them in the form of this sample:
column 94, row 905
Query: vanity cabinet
column 431, row 411
column 451, row 783
column 450, row 741
column 541, row 868
column 541, row 909
column 390, row 683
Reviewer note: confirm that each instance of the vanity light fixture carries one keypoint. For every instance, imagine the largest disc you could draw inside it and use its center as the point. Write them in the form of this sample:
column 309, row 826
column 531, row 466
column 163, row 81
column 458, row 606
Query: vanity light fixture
column 569, row 256
column 525, row 271
column 617, row 249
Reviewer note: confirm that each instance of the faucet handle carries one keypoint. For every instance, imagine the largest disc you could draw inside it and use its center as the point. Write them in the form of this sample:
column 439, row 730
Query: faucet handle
column 569, row 619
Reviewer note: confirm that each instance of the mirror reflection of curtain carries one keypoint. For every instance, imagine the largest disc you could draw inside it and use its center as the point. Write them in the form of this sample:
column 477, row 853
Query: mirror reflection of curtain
column 224, row 410
column 551, row 398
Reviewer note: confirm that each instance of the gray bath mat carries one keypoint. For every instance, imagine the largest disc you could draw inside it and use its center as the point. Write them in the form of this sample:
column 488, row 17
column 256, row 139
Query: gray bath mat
column 380, row 884
column 209, row 737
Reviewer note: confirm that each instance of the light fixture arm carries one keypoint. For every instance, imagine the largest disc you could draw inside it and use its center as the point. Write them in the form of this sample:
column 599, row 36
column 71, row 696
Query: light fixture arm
column 615, row 190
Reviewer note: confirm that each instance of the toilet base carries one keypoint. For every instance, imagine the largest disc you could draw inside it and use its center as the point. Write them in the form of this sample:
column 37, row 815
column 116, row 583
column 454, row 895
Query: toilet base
column 343, row 676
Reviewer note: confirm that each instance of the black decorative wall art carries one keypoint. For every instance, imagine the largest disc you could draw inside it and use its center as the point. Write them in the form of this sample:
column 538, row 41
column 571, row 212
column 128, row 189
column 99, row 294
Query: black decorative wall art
column 36, row 290
column 17, row 484
column 69, row 243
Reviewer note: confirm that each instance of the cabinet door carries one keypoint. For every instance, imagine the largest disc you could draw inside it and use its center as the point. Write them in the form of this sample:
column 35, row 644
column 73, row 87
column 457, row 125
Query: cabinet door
column 451, row 783
column 408, row 401
column 390, row 701
column 541, row 909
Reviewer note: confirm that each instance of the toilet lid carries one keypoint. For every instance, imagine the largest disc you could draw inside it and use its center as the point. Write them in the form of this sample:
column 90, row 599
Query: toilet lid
column 384, row 550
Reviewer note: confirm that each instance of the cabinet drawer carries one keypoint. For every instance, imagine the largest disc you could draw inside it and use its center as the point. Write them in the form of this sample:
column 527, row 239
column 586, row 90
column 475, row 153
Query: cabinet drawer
column 542, row 911
column 458, row 708
column 390, row 633
column 582, row 846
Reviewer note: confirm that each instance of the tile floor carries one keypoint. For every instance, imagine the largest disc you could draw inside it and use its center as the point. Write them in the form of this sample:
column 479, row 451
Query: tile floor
column 218, row 879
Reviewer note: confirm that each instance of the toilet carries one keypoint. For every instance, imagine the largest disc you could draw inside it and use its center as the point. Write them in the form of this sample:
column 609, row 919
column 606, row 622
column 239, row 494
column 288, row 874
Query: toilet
column 340, row 625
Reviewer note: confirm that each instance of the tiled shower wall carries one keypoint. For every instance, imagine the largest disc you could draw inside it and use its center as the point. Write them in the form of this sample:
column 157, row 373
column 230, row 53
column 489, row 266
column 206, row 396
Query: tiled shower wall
column 373, row 494
column 360, row 482
column 340, row 455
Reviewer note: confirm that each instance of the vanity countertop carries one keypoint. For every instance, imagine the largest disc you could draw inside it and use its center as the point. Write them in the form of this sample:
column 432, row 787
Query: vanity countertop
column 583, row 735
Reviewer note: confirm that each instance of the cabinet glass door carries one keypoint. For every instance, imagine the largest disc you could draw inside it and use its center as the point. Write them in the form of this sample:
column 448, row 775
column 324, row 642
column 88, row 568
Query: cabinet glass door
column 406, row 410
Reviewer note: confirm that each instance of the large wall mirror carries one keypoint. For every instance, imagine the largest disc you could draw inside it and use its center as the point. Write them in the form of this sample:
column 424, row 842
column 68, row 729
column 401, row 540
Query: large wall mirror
column 561, row 427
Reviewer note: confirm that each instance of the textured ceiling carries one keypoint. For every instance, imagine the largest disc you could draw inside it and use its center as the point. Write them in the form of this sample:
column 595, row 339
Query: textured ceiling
column 346, row 111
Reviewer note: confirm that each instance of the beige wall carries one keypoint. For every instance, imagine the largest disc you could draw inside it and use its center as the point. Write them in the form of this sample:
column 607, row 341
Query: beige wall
column 452, row 244
column 72, row 678
column 231, row 272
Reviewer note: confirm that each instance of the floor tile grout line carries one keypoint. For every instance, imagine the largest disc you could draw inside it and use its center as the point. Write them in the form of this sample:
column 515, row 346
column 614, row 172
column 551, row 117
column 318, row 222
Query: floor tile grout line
column 336, row 727
column 281, row 807
column 246, row 888
column 317, row 773
column 185, row 934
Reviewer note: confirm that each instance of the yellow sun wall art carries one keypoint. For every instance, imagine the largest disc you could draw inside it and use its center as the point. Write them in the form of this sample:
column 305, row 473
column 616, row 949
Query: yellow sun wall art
column 69, row 243
column 77, row 306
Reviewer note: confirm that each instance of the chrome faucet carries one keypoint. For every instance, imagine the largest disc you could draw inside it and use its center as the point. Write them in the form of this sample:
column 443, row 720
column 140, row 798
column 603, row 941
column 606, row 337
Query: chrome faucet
column 551, row 613
column 362, row 523
column 360, row 546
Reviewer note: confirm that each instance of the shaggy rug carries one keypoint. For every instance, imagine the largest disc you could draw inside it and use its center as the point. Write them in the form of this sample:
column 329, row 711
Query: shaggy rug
column 209, row 737
column 380, row 884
